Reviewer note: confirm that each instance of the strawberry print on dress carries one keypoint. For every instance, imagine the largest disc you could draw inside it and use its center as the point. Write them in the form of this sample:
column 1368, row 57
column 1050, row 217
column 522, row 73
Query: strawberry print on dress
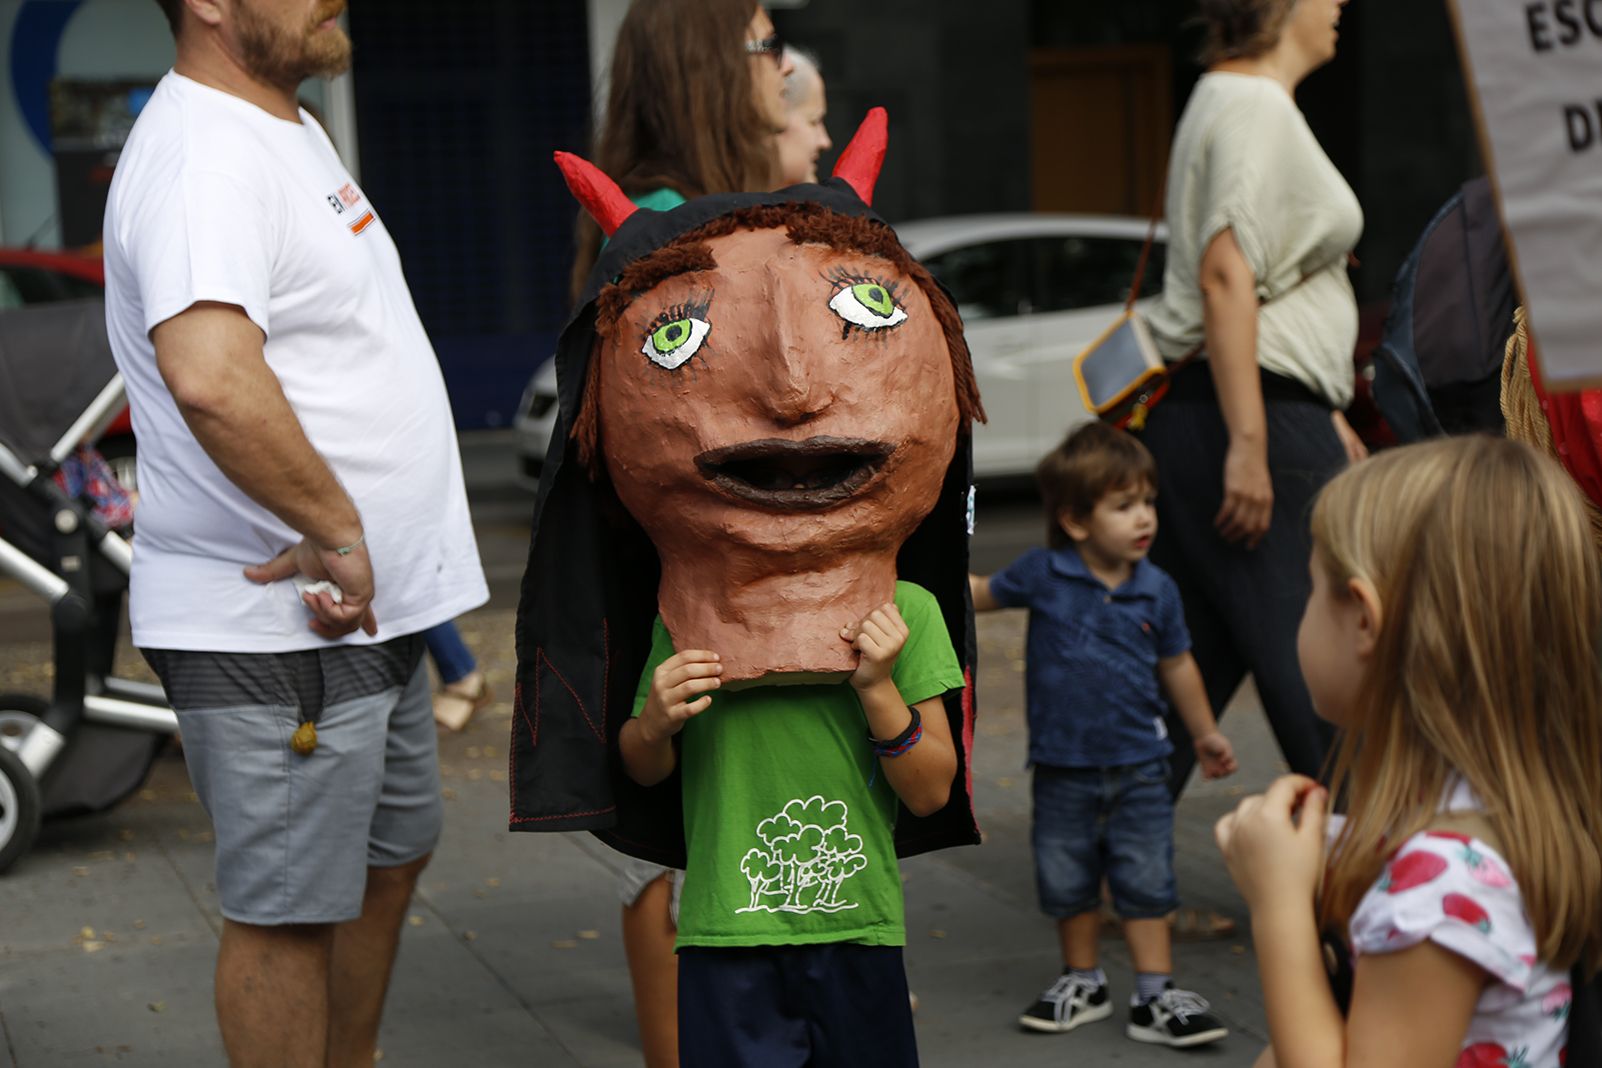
column 1457, row 892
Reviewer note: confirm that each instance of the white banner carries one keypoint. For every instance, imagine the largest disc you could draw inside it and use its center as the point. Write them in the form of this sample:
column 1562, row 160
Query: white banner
column 1535, row 74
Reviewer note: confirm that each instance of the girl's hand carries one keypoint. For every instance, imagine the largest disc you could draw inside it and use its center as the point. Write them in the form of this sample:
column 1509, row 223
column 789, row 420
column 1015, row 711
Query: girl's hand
column 879, row 639
column 674, row 686
column 1273, row 843
column 1355, row 449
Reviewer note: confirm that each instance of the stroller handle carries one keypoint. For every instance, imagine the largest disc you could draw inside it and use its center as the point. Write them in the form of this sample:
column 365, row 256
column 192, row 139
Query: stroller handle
column 94, row 420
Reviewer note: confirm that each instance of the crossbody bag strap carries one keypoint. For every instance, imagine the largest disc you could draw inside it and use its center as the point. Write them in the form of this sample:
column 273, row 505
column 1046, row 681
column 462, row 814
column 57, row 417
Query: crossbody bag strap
column 1145, row 250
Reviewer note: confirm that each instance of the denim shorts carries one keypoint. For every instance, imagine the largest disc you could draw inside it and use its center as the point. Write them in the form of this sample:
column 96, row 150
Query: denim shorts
column 296, row 834
column 1115, row 823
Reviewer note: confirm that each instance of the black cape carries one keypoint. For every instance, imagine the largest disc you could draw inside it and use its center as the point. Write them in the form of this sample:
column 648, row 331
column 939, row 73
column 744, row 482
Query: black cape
column 589, row 598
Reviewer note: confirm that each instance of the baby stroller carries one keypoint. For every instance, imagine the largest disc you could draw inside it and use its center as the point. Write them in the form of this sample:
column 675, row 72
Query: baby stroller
column 92, row 743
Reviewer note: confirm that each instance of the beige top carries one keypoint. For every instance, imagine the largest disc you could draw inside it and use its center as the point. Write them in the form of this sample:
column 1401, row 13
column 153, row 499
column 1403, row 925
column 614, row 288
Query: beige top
column 1245, row 159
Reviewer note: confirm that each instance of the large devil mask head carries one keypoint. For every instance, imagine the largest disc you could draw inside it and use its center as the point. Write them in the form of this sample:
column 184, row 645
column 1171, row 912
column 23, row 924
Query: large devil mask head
column 776, row 396
column 765, row 405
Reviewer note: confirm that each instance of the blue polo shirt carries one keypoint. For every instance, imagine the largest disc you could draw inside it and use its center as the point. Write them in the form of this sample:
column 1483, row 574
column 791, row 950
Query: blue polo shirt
column 1094, row 698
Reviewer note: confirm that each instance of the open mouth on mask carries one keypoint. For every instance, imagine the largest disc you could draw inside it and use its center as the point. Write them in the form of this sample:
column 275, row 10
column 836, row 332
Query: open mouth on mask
column 788, row 475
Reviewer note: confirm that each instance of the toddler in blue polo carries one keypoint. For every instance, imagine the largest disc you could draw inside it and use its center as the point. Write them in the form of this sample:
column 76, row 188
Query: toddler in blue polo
column 1107, row 637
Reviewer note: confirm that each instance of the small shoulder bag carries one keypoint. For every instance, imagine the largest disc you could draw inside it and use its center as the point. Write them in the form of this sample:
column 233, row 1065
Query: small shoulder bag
column 1121, row 375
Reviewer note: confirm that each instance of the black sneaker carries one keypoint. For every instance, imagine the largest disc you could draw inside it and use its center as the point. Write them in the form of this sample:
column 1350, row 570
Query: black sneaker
column 1175, row 1018
column 1066, row 1004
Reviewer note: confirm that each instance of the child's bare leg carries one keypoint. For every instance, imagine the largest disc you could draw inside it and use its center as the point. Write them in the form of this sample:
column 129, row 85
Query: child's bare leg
column 1150, row 945
column 648, row 937
column 1078, row 935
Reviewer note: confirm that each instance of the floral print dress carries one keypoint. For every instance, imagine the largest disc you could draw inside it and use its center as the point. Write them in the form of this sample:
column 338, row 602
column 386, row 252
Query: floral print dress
column 1456, row 891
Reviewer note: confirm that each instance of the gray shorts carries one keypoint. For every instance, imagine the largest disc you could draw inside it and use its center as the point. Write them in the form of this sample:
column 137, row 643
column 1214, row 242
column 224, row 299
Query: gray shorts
column 638, row 874
column 296, row 834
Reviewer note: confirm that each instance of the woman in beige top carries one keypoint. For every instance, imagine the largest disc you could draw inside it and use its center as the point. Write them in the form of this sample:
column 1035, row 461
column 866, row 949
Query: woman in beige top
column 1260, row 228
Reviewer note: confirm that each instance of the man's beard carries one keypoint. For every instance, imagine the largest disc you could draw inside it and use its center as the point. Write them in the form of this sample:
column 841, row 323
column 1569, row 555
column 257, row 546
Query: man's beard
column 287, row 58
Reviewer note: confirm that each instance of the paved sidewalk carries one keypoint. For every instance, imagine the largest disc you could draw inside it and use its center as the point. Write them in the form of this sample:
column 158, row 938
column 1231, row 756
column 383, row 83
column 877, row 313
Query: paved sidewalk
column 512, row 955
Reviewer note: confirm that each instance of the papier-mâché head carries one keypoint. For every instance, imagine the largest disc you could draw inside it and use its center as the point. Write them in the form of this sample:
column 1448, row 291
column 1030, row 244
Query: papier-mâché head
column 775, row 396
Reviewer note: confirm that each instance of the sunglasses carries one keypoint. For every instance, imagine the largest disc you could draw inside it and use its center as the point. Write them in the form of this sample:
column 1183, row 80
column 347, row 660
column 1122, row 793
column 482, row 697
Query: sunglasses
column 771, row 45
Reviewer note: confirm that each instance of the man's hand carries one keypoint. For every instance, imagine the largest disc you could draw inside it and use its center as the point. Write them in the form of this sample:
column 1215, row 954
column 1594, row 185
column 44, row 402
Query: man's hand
column 1216, row 755
column 878, row 638
column 352, row 573
column 673, row 699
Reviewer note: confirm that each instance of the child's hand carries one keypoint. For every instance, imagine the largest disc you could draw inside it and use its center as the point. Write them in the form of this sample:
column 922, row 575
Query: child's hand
column 674, row 685
column 1217, row 756
column 879, row 639
column 1273, row 843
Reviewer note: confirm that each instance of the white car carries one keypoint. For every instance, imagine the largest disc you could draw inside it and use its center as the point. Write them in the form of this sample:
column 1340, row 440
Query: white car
column 1033, row 291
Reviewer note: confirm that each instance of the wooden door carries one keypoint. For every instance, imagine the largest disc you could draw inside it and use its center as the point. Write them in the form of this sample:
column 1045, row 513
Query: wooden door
column 1101, row 122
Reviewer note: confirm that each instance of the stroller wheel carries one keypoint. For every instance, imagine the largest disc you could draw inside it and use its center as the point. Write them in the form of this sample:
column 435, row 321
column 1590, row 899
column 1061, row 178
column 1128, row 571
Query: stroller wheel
column 20, row 808
column 19, row 715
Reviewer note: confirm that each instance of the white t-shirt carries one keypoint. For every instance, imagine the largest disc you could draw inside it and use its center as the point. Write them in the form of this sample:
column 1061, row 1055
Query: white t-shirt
column 216, row 200
column 1245, row 159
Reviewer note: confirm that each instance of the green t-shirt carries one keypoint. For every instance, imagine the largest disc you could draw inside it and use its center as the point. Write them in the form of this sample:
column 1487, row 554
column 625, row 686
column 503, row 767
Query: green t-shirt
column 788, row 820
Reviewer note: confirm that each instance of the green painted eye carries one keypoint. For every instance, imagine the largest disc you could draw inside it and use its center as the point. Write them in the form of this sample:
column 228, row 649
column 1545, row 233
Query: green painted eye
column 873, row 296
column 670, row 344
column 868, row 305
column 669, row 337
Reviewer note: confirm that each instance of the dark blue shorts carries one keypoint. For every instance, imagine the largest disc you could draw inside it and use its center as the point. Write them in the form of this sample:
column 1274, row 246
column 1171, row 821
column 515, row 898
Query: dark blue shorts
column 1117, row 823
column 837, row 1004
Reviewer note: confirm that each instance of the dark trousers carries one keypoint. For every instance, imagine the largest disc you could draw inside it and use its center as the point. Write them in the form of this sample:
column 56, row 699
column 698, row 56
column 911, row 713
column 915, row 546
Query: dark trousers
column 1243, row 606
column 827, row 1006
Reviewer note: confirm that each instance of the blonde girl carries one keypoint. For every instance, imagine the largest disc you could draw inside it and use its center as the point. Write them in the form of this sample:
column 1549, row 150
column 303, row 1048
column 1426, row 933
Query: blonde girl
column 1452, row 631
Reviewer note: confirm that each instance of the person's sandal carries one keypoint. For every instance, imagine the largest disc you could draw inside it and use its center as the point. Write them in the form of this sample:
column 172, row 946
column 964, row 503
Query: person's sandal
column 456, row 702
column 1191, row 924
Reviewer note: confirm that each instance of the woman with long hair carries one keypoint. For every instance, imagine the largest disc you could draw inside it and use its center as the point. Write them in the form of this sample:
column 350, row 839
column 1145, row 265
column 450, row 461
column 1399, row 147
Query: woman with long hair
column 1261, row 226
column 696, row 100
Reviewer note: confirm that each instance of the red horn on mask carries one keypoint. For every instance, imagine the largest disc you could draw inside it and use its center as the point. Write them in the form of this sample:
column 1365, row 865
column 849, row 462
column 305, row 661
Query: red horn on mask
column 862, row 159
column 599, row 195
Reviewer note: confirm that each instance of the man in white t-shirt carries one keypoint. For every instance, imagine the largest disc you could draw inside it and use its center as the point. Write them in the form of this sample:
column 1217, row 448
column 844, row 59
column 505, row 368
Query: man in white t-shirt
column 302, row 518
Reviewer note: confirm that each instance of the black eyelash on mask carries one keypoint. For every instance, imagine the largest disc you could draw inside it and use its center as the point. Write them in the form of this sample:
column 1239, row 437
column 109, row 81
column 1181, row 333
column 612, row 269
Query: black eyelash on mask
column 841, row 277
column 696, row 308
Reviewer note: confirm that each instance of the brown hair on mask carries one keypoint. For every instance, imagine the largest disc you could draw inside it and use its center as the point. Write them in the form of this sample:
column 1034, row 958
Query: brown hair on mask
column 805, row 222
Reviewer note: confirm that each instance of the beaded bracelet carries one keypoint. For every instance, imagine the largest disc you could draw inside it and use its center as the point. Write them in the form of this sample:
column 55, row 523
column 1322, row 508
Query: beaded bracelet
column 903, row 741
column 346, row 550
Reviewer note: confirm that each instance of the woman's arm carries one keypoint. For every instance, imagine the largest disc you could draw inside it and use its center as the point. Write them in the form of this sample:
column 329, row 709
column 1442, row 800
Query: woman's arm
column 1229, row 321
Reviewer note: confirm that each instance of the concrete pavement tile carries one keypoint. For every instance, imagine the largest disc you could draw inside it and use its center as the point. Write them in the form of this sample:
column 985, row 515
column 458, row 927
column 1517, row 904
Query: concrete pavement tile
column 475, row 863
column 598, row 1031
column 542, row 949
column 124, row 892
column 448, row 1006
column 137, row 1007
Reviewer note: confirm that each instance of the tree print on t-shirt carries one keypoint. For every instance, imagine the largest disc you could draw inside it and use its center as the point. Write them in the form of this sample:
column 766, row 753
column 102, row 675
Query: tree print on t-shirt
column 810, row 854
